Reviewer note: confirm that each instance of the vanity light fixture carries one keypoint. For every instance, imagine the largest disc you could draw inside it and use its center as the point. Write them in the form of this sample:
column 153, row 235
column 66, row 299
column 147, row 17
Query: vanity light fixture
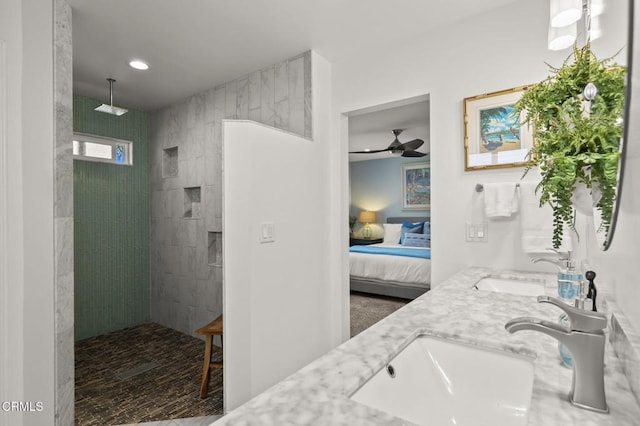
column 596, row 8
column 562, row 37
column 595, row 30
column 565, row 12
column 139, row 64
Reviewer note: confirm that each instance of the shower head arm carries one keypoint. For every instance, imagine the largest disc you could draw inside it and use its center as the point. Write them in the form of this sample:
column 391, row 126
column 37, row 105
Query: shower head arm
column 111, row 81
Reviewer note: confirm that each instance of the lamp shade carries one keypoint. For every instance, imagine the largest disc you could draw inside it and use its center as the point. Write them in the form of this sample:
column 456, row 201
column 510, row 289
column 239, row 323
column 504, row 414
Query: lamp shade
column 367, row 217
column 565, row 12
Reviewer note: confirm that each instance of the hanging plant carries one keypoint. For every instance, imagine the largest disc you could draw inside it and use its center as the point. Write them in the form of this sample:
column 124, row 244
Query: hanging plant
column 576, row 143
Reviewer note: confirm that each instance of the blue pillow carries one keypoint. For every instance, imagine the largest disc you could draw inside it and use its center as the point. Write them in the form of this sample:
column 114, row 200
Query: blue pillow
column 426, row 229
column 410, row 228
column 416, row 240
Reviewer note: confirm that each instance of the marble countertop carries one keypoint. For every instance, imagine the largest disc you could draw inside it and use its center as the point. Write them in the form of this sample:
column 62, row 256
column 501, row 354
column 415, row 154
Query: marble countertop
column 319, row 393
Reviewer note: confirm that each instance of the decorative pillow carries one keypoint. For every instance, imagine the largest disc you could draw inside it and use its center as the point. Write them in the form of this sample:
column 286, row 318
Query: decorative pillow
column 426, row 229
column 410, row 228
column 392, row 232
column 416, row 240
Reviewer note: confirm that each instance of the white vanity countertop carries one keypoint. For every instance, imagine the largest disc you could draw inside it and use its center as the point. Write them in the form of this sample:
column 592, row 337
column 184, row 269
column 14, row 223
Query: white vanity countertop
column 319, row 393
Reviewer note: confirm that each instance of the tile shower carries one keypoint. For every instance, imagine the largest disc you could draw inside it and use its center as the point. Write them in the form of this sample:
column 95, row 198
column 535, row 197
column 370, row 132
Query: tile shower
column 186, row 184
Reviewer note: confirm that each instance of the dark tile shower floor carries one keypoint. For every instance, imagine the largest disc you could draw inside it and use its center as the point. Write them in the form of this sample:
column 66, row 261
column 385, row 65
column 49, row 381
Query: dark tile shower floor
column 140, row 374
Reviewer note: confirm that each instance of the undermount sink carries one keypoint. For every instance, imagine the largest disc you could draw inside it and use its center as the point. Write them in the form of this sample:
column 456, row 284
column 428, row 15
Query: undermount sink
column 442, row 382
column 521, row 286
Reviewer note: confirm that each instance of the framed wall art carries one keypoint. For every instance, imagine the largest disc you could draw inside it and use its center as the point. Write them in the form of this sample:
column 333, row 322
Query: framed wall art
column 493, row 132
column 416, row 186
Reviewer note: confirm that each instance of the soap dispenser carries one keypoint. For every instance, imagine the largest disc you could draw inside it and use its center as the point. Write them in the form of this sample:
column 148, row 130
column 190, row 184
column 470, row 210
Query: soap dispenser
column 569, row 280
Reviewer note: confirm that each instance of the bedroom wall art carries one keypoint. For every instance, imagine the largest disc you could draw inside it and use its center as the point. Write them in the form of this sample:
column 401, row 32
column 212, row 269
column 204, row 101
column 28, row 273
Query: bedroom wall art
column 416, row 186
column 493, row 134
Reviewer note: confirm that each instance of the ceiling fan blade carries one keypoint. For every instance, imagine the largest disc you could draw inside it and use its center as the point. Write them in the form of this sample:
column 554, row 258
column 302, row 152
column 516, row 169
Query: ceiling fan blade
column 413, row 154
column 371, row 151
column 411, row 145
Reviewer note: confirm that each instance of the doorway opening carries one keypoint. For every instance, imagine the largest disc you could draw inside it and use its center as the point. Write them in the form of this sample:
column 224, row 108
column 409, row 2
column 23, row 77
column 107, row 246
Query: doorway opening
column 380, row 180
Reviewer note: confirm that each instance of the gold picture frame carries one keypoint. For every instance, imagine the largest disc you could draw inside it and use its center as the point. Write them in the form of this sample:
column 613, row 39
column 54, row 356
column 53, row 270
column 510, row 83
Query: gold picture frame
column 493, row 134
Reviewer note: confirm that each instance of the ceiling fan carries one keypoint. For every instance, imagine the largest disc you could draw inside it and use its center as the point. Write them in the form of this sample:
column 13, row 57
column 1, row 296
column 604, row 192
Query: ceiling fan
column 407, row 149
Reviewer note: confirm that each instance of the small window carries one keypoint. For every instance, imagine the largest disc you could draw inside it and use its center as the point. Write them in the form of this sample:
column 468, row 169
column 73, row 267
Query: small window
column 104, row 150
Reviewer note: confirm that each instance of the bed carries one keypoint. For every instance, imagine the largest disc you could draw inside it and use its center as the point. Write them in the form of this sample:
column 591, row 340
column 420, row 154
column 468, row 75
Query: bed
column 404, row 276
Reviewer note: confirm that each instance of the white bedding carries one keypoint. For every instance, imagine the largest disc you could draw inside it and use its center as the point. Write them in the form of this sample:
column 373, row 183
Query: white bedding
column 383, row 267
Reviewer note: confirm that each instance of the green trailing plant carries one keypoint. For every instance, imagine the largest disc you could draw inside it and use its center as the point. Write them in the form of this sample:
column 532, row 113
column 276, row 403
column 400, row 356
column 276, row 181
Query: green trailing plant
column 352, row 223
column 573, row 145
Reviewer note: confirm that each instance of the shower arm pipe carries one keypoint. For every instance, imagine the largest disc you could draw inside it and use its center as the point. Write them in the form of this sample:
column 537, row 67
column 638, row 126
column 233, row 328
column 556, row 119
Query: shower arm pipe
column 111, row 81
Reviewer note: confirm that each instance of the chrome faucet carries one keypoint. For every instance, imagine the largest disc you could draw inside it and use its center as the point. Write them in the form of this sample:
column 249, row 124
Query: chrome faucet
column 585, row 340
column 561, row 262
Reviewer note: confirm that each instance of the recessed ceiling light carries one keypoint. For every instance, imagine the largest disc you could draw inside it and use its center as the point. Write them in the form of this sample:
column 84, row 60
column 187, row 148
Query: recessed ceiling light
column 138, row 64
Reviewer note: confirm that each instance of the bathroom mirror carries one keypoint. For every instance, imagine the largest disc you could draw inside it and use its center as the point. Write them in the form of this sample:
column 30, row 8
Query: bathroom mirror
column 604, row 234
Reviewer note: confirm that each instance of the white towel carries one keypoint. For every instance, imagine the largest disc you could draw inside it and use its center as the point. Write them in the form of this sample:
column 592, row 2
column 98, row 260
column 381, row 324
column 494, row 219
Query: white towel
column 500, row 199
column 536, row 223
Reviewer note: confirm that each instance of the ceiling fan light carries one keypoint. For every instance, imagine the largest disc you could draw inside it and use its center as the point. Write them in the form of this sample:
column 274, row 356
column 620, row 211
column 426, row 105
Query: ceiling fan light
column 561, row 38
column 565, row 12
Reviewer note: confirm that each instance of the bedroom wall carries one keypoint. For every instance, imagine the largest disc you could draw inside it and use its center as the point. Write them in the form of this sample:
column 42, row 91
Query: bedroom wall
column 501, row 49
column 376, row 185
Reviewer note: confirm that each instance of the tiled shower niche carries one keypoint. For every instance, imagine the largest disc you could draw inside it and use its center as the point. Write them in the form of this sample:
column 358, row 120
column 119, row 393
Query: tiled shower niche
column 192, row 204
column 215, row 248
column 170, row 162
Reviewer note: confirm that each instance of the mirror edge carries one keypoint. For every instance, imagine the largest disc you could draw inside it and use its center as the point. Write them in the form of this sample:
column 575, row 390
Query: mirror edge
column 627, row 115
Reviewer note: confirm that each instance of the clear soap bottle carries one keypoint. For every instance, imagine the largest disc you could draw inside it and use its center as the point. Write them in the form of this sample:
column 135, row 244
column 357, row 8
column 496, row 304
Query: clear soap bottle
column 570, row 291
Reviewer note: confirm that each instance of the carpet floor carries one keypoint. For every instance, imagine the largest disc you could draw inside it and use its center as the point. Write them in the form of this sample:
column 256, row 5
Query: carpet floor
column 140, row 374
column 368, row 309
column 151, row 373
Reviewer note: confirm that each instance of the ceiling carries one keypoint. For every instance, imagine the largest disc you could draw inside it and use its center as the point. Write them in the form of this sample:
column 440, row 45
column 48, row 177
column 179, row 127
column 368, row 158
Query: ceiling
column 195, row 45
column 374, row 129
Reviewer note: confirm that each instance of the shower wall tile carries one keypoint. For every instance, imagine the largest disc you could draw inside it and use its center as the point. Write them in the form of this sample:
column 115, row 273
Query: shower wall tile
column 255, row 81
column 308, row 90
column 267, row 96
column 209, row 154
column 243, row 98
column 64, row 316
column 255, row 114
column 296, row 96
column 281, row 96
column 210, row 197
column 200, row 164
column 219, row 103
column 209, row 106
column 195, row 110
column 231, row 100
column 186, row 290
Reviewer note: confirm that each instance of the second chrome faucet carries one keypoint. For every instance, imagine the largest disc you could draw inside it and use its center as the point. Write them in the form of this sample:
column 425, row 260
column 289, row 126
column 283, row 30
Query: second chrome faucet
column 586, row 340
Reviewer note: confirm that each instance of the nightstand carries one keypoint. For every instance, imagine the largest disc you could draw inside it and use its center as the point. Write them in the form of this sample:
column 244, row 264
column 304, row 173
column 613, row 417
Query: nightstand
column 363, row 241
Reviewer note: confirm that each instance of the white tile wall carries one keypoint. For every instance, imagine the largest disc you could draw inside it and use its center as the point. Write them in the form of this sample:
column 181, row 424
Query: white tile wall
column 186, row 292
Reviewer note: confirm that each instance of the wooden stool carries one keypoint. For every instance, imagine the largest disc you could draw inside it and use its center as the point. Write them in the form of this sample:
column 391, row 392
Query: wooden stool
column 214, row 328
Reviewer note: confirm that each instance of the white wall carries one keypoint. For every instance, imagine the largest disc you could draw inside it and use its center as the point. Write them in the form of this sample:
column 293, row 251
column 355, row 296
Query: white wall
column 275, row 294
column 278, row 310
column 28, row 357
column 498, row 50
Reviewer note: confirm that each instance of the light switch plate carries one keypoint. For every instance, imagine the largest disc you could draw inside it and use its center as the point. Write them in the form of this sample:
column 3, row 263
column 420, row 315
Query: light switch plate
column 477, row 232
column 267, row 232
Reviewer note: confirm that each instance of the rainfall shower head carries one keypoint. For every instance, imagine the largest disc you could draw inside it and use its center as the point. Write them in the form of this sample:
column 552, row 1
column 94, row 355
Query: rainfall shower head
column 110, row 109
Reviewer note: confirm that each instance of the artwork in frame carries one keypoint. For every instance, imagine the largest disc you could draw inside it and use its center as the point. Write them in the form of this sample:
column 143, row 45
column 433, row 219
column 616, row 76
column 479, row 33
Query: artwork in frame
column 416, row 186
column 493, row 132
